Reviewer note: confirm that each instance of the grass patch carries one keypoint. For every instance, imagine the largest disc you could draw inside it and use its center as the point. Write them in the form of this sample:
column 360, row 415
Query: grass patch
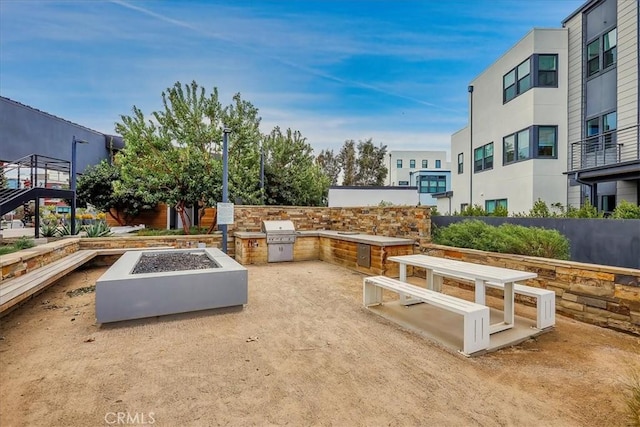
column 633, row 397
column 18, row 245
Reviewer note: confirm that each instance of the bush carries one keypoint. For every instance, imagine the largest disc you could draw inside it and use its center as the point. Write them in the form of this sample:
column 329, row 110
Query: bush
column 23, row 243
column 626, row 210
column 98, row 229
column 507, row 238
column 633, row 397
column 475, row 210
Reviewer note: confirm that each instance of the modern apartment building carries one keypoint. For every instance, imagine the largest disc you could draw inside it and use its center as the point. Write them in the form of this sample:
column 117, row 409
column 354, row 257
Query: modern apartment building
column 429, row 171
column 603, row 104
column 514, row 149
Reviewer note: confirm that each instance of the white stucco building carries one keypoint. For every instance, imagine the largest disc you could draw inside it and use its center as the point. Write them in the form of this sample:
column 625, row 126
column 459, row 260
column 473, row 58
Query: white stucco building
column 429, row 171
column 514, row 149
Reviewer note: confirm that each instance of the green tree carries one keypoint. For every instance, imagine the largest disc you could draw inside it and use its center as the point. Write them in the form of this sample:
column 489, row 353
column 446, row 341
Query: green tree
column 348, row 162
column 330, row 165
column 176, row 160
column 291, row 174
column 370, row 163
column 96, row 186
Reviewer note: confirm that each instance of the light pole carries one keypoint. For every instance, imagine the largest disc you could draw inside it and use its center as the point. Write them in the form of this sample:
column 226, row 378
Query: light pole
column 471, row 157
column 73, row 182
column 262, row 173
column 225, row 181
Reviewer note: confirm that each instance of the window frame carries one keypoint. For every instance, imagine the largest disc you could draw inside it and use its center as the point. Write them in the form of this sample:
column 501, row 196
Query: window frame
column 607, row 136
column 496, row 203
column 438, row 164
column 412, row 164
column 513, row 89
column 425, row 164
column 399, row 164
column 432, row 189
column 486, row 160
column 601, row 54
column 533, row 149
column 460, row 163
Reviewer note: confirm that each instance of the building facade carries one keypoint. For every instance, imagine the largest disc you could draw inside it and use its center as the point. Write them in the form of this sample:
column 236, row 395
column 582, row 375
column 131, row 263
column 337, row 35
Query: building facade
column 514, row 149
column 428, row 171
column 603, row 104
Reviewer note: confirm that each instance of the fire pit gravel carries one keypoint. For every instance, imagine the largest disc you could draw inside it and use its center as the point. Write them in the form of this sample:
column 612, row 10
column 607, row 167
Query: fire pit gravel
column 173, row 261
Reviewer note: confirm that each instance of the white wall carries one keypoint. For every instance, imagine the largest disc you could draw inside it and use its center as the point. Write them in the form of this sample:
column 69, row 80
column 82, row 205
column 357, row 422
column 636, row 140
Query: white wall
column 372, row 196
column 405, row 174
column 521, row 183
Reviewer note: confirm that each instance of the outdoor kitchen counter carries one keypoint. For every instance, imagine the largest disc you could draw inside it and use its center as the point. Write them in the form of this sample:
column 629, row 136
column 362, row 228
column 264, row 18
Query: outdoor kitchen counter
column 367, row 239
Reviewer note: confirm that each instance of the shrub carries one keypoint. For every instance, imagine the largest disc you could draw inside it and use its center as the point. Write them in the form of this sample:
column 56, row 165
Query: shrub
column 23, row 243
column 633, row 397
column 500, row 211
column 507, row 238
column 48, row 229
column 626, row 210
column 475, row 210
column 98, row 229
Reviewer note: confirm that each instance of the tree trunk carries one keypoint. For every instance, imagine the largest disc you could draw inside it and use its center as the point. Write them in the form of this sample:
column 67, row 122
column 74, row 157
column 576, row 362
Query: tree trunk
column 183, row 217
column 116, row 217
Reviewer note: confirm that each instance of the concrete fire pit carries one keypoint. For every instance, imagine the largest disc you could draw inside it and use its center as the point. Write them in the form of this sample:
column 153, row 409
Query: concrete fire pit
column 123, row 295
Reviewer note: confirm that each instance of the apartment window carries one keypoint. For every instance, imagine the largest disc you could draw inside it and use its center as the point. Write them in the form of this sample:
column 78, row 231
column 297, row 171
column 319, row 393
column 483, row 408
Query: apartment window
column 600, row 131
column 535, row 141
column 602, row 52
column 463, row 206
column 438, row 164
column 483, row 158
column 460, row 162
column 433, row 184
column 609, row 47
column 425, row 164
column 547, row 141
column 547, row 71
column 539, row 70
column 412, row 164
column 399, row 163
column 490, row 205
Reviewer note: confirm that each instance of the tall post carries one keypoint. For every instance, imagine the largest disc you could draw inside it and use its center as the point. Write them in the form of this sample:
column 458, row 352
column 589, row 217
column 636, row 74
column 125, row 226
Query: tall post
column 73, row 186
column 262, row 174
column 225, row 181
column 471, row 156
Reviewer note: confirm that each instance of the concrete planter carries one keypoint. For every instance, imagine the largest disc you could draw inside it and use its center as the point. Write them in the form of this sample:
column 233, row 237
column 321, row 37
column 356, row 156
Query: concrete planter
column 121, row 295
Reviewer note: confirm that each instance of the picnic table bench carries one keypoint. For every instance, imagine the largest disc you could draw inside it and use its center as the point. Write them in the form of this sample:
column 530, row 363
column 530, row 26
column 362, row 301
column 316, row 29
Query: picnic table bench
column 475, row 316
column 481, row 276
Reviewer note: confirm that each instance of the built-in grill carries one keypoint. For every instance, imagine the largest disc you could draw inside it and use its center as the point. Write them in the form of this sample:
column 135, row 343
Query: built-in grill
column 281, row 235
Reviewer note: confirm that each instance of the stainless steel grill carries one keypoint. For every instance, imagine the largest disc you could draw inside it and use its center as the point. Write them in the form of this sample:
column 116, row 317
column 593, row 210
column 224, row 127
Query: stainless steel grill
column 281, row 235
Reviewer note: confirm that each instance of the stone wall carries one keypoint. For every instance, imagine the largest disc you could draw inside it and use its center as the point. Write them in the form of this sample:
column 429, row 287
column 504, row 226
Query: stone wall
column 597, row 294
column 26, row 260
column 406, row 221
column 181, row 242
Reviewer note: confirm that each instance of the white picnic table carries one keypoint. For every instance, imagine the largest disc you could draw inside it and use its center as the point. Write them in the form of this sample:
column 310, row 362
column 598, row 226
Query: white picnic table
column 479, row 274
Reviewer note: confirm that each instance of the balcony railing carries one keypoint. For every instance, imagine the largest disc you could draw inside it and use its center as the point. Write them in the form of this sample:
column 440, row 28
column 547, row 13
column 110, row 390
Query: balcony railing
column 609, row 148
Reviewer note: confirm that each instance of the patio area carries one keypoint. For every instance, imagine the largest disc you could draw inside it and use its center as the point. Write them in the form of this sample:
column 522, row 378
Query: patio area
column 303, row 351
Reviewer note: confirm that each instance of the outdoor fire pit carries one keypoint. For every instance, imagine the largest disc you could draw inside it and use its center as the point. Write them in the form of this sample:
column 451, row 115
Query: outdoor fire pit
column 154, row 283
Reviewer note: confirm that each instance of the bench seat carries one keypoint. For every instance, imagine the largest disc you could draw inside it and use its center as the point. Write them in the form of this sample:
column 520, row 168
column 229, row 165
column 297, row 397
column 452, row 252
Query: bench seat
column 545, row 299
column 475, row 316
column 18, row 289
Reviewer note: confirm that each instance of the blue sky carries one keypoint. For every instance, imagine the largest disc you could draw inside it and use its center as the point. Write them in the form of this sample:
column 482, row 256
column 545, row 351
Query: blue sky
column 394, row 71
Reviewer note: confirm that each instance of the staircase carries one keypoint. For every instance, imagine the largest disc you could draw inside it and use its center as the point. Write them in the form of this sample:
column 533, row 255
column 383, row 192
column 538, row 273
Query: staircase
column 29, row 168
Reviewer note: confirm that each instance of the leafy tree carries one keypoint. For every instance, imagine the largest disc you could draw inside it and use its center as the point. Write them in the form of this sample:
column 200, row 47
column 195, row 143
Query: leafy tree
column 96, row 186
column 291, row 174
column 330, row 165
column 366, row 167
column 348, row 163
column 175, row 160
column 370, row 163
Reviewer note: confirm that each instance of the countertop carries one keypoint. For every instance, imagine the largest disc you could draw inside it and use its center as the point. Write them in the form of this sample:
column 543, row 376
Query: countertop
column 347, row 236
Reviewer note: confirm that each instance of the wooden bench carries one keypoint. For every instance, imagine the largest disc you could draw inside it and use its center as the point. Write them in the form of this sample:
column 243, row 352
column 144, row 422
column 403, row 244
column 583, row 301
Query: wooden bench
column 545, row 299
column 16, row 290
column 475, row 316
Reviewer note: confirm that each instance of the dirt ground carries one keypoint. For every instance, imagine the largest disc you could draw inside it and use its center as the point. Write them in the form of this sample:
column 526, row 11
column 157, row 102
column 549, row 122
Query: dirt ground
column 302, row 352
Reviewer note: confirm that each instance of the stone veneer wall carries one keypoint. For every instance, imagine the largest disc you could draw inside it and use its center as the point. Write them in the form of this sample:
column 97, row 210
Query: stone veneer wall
column 26, row 260
column 411, row 222
column 597, row 294
column 181, row 242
